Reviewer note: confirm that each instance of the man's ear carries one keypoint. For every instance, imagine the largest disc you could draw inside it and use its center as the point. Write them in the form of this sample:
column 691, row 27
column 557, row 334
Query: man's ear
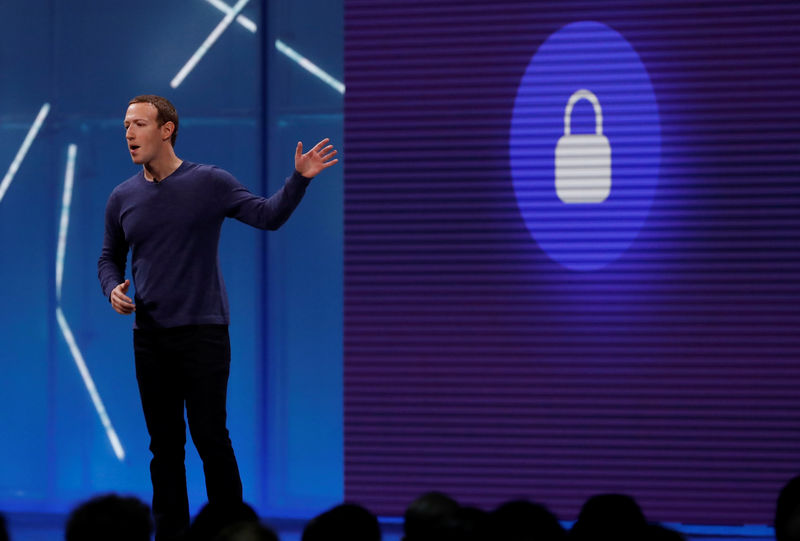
column 167, row 129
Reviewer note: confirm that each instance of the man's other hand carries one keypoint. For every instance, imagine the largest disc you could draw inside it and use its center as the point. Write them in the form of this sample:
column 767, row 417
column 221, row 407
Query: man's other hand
column 120, row 301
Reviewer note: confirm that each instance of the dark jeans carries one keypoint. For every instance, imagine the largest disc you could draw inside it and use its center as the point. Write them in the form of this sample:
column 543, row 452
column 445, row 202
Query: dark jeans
column 186, row 365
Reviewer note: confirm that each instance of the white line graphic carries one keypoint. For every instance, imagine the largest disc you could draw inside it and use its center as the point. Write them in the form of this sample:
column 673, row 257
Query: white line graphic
column 26, row 144
column 241, row 19
column 63, row 227
column 212, row 37
column 66, row 201
column 306, row 64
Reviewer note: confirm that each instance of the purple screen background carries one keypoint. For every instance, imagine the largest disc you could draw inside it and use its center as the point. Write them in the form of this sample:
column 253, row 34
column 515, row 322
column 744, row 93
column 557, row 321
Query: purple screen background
column 477, row 365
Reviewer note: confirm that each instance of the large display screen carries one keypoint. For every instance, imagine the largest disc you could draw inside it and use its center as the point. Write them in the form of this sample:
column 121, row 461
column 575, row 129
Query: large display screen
column 572, row 254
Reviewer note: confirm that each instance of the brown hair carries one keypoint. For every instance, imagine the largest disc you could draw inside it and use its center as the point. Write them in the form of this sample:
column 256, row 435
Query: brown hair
column 166, row 111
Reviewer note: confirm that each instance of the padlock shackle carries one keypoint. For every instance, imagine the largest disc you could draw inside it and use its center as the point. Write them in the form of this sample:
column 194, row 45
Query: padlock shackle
column 584, row 94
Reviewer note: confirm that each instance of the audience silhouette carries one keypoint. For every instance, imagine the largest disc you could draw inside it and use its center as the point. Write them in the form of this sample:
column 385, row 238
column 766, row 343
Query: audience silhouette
column 609, row 516
column 433, row 516
column 3, row 528
column 110, row 517
column 215, row 517
column 427, row 517
column 787, row 511
column 348, row 521
column 468, row 524
column 521, row 520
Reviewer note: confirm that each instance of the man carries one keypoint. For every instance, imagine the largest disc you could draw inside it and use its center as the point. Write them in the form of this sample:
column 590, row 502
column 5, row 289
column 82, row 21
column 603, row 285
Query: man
column 169, row 216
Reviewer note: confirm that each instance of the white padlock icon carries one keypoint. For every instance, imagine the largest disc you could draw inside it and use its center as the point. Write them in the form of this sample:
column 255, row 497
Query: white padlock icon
column 583, row 161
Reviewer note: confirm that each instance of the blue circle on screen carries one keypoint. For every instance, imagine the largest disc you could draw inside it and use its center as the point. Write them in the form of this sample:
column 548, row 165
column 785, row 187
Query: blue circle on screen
column 585, row 55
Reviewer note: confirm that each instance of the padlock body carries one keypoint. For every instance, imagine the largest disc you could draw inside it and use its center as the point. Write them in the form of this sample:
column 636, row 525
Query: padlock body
column 583, row 168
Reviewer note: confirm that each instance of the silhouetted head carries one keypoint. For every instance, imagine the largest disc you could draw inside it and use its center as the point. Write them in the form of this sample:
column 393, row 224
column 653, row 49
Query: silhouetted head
column 521, row 520
column 468, row 524
column 609, row 516
column 787, row 511
column 3, row 528
column 213, row 518
column 426, row 517
column 110, row 517
column 347, row 521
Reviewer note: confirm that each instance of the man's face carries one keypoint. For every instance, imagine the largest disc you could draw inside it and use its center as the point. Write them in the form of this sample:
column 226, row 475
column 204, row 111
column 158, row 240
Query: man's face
column 142, row 132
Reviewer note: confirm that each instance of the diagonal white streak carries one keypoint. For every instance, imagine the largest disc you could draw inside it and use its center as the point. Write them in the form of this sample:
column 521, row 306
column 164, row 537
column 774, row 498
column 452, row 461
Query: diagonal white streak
column 63, row 227
column 66, row 201
column 241, row 19
column 23, row 150
column 306, row 64
column 89, row 383
column 212, row 37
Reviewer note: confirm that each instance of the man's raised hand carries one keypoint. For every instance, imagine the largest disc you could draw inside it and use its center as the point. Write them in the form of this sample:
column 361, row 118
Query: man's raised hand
column 121, row 302
column 315, row 160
